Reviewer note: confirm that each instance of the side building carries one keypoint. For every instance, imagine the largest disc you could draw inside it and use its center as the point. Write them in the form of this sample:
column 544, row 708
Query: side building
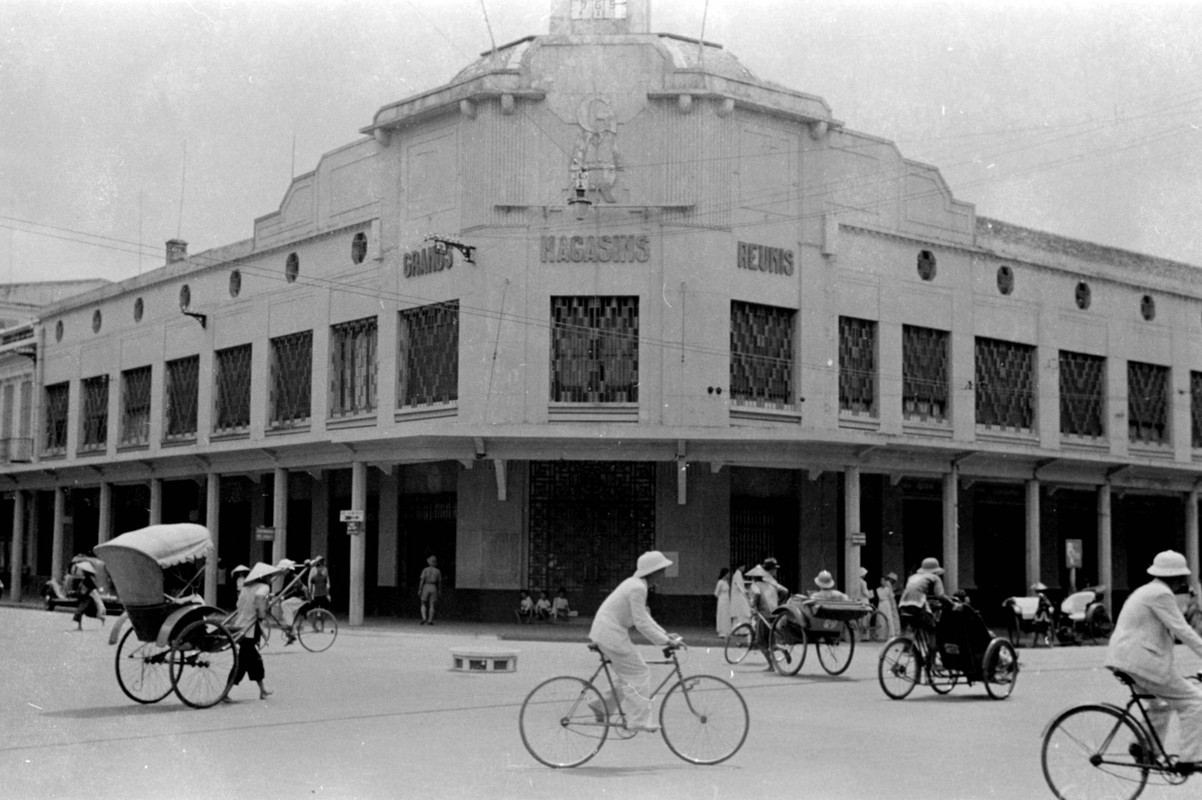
column 607, row 291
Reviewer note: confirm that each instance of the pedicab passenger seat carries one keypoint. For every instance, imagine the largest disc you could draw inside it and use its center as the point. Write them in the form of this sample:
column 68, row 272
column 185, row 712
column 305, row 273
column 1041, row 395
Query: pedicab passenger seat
column 962, row 638
column 828, row 615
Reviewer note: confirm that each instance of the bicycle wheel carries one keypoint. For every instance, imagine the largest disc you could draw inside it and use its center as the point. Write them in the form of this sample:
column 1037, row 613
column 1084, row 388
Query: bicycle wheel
column 317, row 630
column 558, row 727
column 836, row 649
column 203, row 663
column 264, row 636
column 787, row 643
column 738, row 643
column 143, row 669
column 1001, row 669
column 897, row 669
column 704, row 719
column 939, row 678
column 1095, row 751
column 878, row 627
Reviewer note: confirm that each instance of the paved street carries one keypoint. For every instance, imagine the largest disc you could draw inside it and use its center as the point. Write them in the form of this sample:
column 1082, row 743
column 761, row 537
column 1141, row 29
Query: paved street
column 381, row 714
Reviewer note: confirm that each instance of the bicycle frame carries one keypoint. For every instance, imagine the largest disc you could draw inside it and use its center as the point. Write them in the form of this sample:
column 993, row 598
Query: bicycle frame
column 669, row 659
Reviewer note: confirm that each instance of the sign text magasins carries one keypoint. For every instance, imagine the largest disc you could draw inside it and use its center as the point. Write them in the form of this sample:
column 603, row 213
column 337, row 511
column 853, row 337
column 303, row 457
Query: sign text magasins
column 616, row 249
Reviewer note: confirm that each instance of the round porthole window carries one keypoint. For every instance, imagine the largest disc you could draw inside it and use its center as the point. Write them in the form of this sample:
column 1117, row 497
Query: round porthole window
column 291, row 267
column 359, row 248
column 58, row 331
column 185, row 297
column 1083, row 295
column 96, row 321
column 1147, row 307
column 1005, row 280
column 235, row 283
column 926, row 265
column 138, row 308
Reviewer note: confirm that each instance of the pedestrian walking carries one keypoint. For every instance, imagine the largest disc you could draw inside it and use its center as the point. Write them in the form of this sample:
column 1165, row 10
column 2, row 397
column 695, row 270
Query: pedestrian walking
column 428, row 586
column 250, row 614
column 722, row 614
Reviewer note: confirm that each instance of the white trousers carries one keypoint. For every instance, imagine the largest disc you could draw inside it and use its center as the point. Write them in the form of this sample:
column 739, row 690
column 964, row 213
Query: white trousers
column 632, row 677
column 1183, row 698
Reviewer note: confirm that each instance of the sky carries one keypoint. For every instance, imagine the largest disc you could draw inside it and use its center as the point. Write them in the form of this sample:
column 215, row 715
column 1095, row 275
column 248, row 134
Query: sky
column 124, row 123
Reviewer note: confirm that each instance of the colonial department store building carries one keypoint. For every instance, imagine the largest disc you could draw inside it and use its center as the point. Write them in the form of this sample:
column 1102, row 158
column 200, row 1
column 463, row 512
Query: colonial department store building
column 667, row 305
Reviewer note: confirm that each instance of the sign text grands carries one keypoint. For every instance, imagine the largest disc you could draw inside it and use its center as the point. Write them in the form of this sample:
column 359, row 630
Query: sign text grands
column 775, row 260
column 615, row 249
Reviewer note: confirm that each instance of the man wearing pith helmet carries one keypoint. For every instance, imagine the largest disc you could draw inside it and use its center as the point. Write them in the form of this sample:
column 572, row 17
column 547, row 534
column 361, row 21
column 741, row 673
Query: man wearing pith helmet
column 626, row 608
column 1142, row 647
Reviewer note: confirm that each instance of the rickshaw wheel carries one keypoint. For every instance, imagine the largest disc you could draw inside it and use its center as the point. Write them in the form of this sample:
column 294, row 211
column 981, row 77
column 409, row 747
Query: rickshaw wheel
column 738, row 643
column 787, row 643
column 941, row 679
column 835, row 650
column 878, row 626
column 203, row 663
column 1001, row 669
column 143, row 669
column 897, row 669
column 317, row 630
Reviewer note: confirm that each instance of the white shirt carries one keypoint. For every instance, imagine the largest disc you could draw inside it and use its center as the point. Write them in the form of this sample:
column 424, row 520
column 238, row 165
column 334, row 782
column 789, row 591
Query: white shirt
column 626, row 608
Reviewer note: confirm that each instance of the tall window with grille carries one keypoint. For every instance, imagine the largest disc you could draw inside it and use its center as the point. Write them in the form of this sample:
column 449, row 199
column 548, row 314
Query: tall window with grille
column 353, row 368
column 95, row 417
column 925, row 374
column 289, row 403
column 231, row 408
column 180, row 388
column 594, row 349
column 857, row 366
column 1005, row 385
column 428, row 355
column 1147, row 403
column 135, row 407
column 1195, row 409
column 1082, row 395
column 761, row 355
column 54, row 441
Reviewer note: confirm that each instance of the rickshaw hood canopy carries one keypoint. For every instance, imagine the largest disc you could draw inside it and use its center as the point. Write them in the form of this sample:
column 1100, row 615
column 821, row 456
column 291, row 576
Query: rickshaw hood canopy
column 136, row 560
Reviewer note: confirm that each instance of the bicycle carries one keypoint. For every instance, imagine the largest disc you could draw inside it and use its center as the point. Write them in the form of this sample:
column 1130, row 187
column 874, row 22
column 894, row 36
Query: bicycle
column 746, row 637
column 875, row 627
column 1103, row 750
column 703, row 719
column 313, row 626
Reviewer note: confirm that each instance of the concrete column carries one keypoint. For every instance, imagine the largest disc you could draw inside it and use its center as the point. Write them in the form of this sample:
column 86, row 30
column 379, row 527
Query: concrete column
column 213, row 523
column 1033, row 556
column 104, row 525
column 18, row 541
column 851, row 522
column 33, row 540
column 951, row 530
column 156, row 501
column 1105, row 553
column 358, row 545
column 58, row 534
column 279, row 512
column 1191, row 530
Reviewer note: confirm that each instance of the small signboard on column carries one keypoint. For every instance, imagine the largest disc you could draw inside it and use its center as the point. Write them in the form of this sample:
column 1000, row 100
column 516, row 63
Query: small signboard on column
column 354, row 519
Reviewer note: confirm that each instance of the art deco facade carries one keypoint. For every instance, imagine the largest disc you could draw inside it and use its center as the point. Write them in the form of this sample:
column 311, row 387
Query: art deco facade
column 666, row 305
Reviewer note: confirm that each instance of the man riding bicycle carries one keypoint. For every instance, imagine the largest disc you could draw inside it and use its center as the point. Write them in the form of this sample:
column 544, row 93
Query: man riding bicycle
column 914, row 608
column 1142, row 647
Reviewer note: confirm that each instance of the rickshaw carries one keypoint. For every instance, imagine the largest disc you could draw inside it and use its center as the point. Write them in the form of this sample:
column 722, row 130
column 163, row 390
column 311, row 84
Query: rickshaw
column 829, row 624
column 964, row 648
column 174, row 642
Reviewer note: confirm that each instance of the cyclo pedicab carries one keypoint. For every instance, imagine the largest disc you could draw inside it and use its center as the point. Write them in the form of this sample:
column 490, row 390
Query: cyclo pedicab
column 174, row 643
column 964, row 649
column 828, row 623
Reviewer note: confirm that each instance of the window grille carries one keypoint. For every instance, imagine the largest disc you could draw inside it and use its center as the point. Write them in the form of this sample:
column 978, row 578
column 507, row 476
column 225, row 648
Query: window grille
column 232, row 408
column 1005, row 385
column 57, row 400
column 353, row 368
column 95, row 414
column 1195, row 409
column 291, row 380
column 183, row 378
column 1082, row 394
column 924, row 374
column 428, row 355
column 761, row 354
column 594, row 349
column 1147, row 403
column 135, row 406
column 857, row 366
